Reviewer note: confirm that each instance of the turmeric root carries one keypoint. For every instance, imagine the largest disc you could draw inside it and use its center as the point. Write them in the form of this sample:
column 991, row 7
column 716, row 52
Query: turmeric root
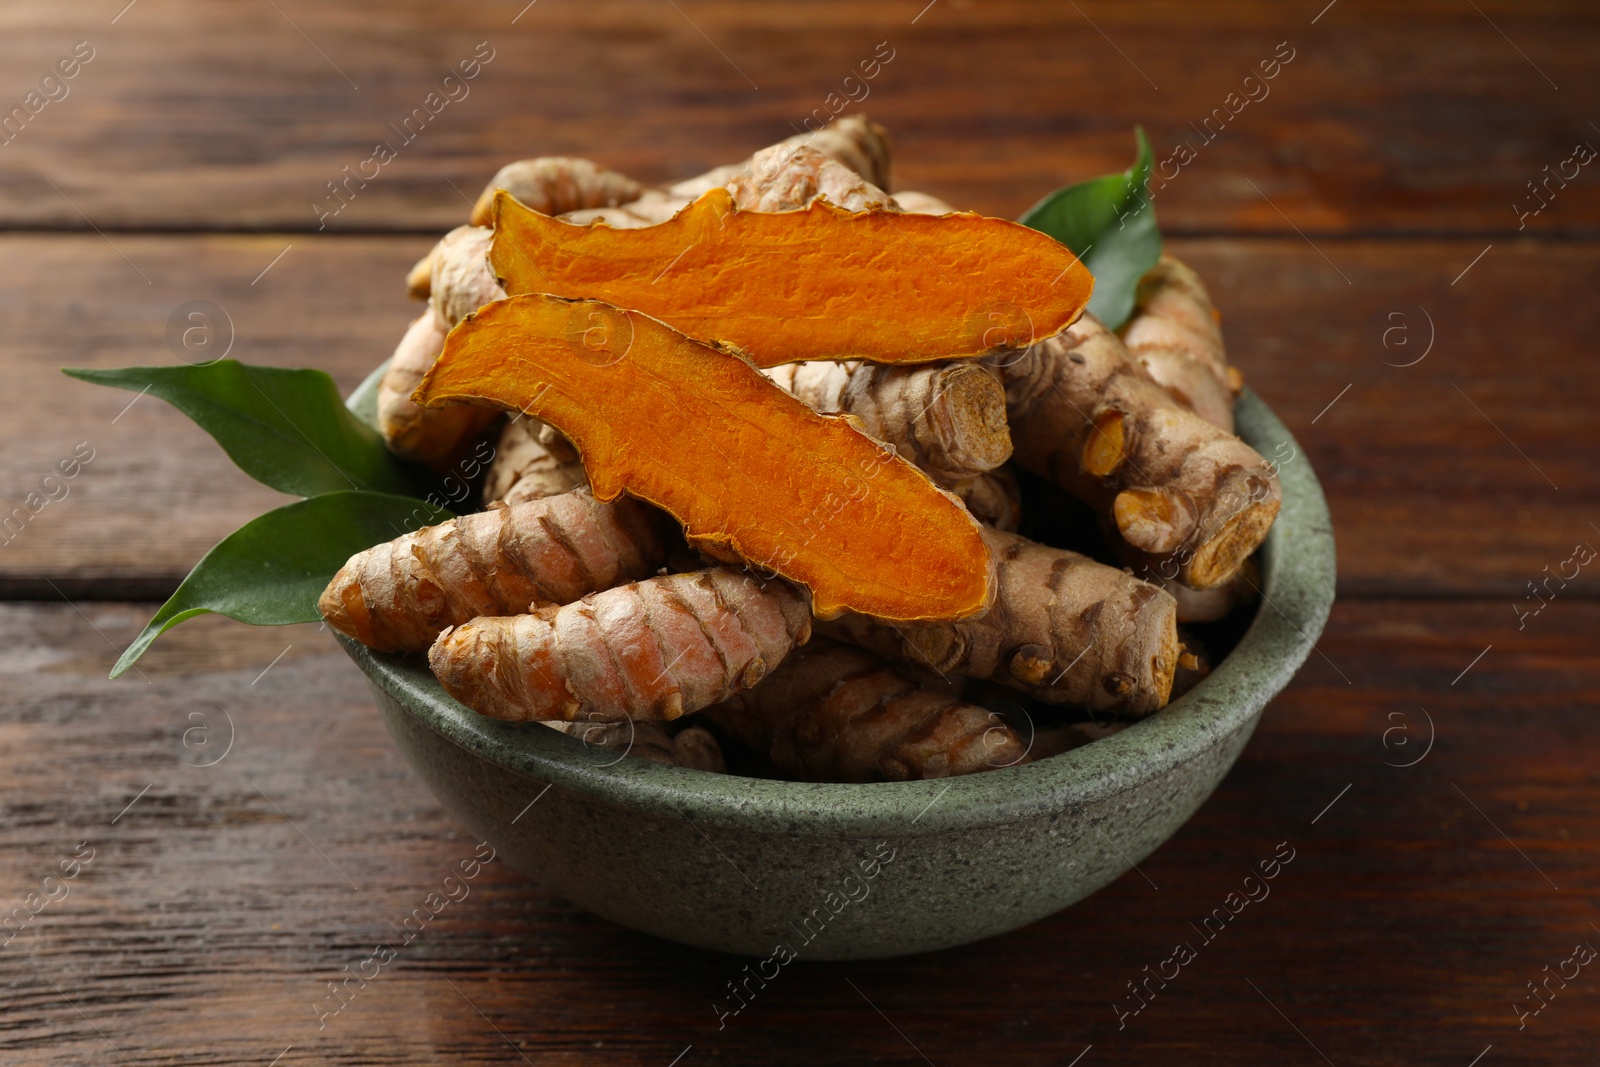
column 1189, row 499
column 784, row 178
column 1063, row 628
column 411, row 431
column 853, row 142
column 752, row 473
column 654, row 649
column 462, row 281
column 1218, row 602
column 1175, row 334
column 1194, row 663
column 525, row 468
column 947, row 418
column 419, row 279
column 993, row 497
column 556, row 185
column 694, row 747
column 856, row 142
column 396, row 597
column 813, row 284
column 833, row 713
column 922, row 203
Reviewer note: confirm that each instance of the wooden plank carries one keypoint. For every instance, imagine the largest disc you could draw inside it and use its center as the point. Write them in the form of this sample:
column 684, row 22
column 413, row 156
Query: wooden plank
column 1428, row 497
column 206, row 925
column 1398, row 118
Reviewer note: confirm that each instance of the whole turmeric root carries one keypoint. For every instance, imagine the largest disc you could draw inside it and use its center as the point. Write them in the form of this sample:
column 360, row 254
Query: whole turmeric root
column 431, row 436
column 993, row 497
column 694, row 747
column 655, row 649
column 853, row 142
column 947, row 418
column 1175, row 334
column 1218, row 602
column 1190, row 500
column 556, row 185
column 526, row 467
column 396, row 597
column 787, row 178
column 462, row 281
column 833, row 713
column 922, row 203
column 1064, row 629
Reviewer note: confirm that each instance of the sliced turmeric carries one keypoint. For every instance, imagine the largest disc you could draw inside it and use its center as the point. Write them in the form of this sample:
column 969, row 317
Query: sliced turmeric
column 823, row 283
column 752, row 473
column 397, row 596
column 655, row 649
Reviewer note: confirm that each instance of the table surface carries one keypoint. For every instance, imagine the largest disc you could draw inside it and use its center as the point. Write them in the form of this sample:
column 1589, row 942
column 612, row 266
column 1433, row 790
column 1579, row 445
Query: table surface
column 1420, row 317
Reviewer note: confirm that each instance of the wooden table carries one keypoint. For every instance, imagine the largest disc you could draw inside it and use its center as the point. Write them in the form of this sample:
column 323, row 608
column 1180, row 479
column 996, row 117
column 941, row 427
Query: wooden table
column 253, row 830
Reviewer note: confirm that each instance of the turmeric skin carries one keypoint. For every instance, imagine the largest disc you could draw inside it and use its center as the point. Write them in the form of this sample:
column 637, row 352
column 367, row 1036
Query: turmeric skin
column 1175, row 333
column 1063, row 629
column 526, row 467
column 412, row 432
column 654, row 649
column 397, row 596
column 1188, row 499
column 833, row 713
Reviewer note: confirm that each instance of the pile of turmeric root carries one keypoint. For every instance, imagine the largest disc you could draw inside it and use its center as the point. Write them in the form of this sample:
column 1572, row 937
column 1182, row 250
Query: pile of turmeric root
column 616, row 617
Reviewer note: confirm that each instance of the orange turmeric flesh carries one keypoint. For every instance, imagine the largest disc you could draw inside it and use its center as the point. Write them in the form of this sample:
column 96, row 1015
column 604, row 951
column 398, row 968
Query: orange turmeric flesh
column 752, row 473
column 821, row 283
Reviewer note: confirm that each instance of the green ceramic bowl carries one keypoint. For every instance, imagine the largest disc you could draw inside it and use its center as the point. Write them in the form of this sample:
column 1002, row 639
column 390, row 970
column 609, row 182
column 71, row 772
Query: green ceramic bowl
column 767, row 868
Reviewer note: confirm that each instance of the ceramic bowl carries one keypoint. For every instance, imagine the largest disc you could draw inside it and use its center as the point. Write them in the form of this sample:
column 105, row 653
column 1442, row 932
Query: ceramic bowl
column 821, row 871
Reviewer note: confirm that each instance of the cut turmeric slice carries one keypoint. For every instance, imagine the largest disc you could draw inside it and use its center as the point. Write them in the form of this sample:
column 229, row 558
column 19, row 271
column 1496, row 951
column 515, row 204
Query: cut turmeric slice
column 753, row 473
column 822, row 283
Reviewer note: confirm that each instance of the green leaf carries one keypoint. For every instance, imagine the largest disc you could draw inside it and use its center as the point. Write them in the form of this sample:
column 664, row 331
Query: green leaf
column 1110, row 224
column 271, row 570
column 288, row 429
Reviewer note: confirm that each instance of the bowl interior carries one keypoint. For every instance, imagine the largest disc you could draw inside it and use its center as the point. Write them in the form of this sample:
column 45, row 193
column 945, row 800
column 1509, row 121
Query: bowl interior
column 1297, row 583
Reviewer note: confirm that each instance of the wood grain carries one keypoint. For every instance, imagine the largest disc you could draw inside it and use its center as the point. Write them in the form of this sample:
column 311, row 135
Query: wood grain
column 1440, row 475
column 205, row 116
column 207, row 925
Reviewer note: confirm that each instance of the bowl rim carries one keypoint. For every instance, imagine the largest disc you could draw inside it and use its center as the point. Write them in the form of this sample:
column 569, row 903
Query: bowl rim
column 1297, row 583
